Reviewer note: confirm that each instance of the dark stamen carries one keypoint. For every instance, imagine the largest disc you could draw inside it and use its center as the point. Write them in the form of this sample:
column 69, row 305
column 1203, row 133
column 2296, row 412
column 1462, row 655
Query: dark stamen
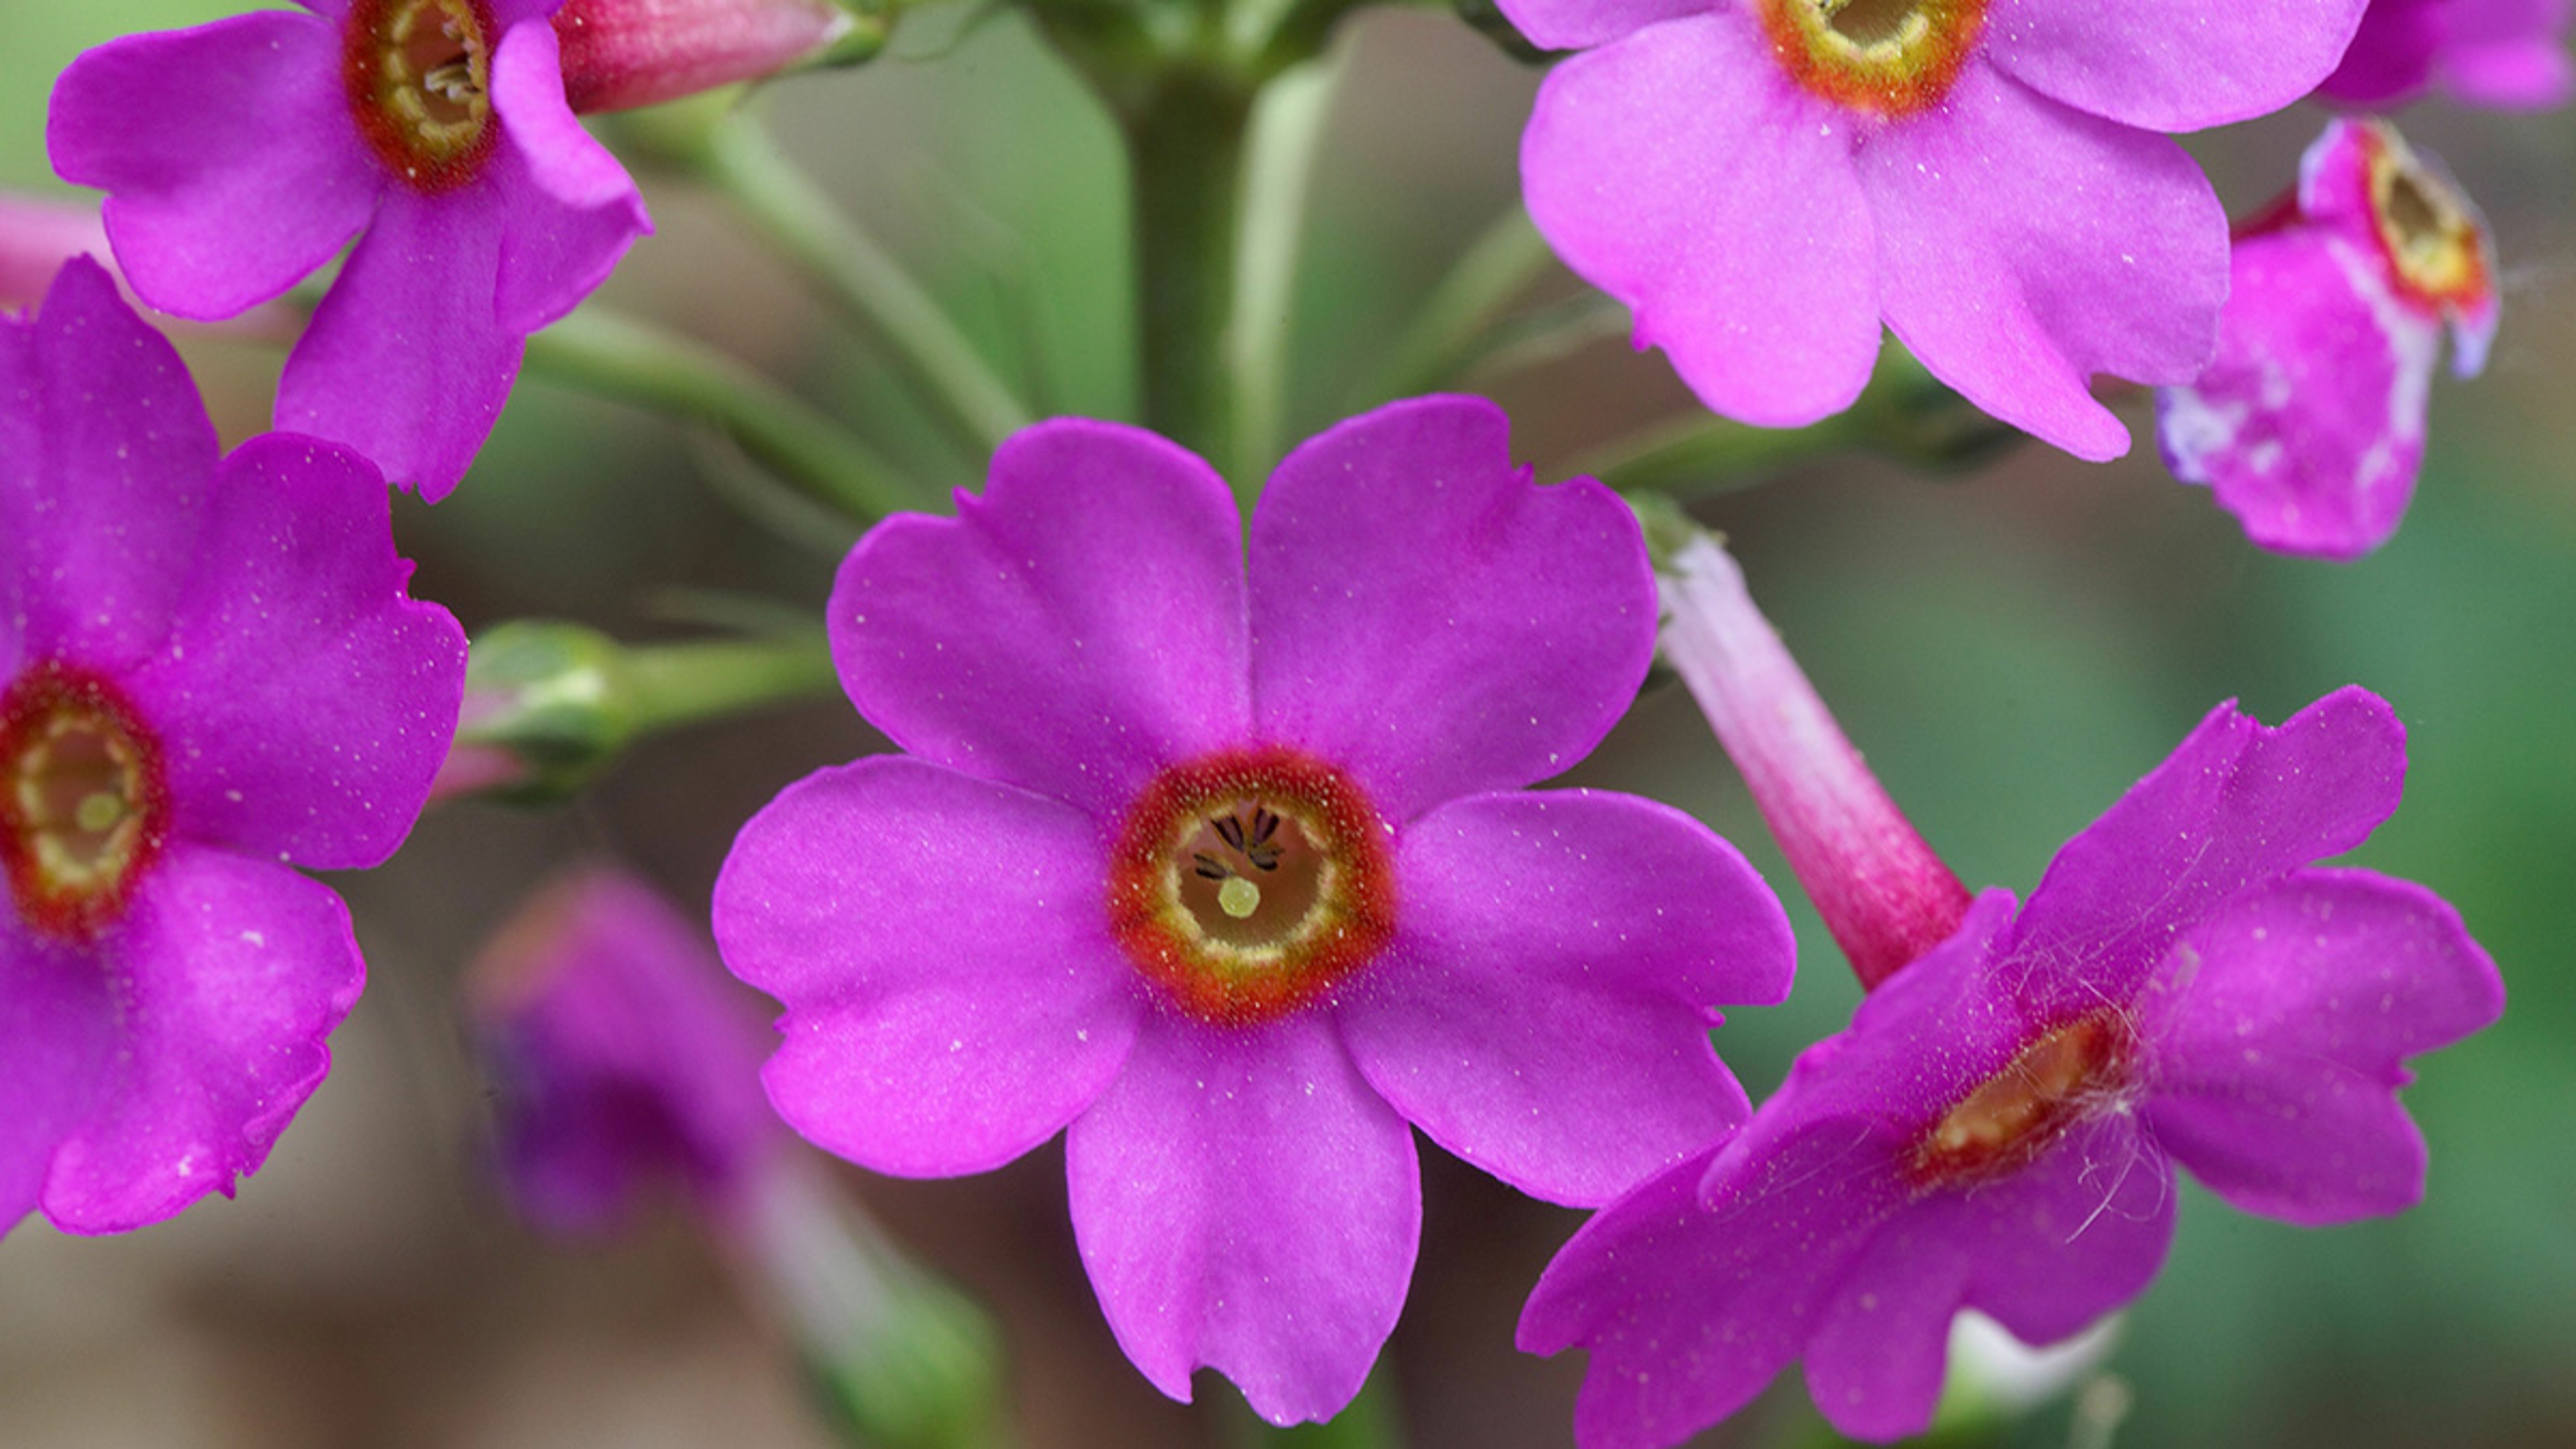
column 1209, row 867
column 1265, row 824
column 1232, row 829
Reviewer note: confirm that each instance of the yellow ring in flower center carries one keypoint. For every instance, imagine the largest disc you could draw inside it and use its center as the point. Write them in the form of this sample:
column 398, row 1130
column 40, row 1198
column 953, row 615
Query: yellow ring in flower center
column 420, row 82
column 1247, row 884
column 82, row 808
column 1885, row 57
column 2427, row 230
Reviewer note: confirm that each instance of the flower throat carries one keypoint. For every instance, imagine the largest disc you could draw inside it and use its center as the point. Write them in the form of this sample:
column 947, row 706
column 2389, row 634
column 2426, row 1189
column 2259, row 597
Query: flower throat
column 82, row 808
column 1885, row 57
column 420, row 82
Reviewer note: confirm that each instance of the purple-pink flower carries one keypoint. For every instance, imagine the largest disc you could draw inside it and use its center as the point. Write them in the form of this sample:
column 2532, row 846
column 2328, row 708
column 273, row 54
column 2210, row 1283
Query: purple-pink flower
column 2309, row 424
column 208, row 672
column 624, row 1057
column 1766, row 182
column 1228, row 872
column 240, row 155
column 2510, row 54
column 1997, row 1128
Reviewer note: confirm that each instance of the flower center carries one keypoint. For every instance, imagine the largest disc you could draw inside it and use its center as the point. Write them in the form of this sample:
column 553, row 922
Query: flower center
column 82, row 808
column 420, row 80
column 1885, row 57
column 2428, row 230
column 2014, row 1115
column 1248, row 884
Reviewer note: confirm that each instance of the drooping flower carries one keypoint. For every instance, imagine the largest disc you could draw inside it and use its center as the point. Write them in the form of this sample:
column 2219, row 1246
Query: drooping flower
column 622, row 53
column 1764, row 182
column 623, row 1057
column 240, row 155
column 1230, row 874
column 208, row 671
column 1998, row 1127
column 2309, row 424
column 2509, row 54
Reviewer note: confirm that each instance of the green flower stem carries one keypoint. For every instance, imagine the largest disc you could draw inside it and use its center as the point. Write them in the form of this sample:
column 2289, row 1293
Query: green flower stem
column 1287, row 128
column 550, row 704
column 796, row 216
column 1443, row 339
column 1185, row 146
column 609, row 355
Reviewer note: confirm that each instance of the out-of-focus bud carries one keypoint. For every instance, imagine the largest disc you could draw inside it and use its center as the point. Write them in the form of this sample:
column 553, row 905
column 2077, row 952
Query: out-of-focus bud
column 1996, row 1378
column 623, row 1055
column 624, row 1059
column 550, row 704
column 619, row 54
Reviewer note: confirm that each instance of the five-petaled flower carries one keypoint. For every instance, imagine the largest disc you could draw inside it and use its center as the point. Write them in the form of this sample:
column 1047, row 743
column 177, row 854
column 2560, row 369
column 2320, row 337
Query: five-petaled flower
column 1765, row 181
column 1997, row 1127
column 208, row 670
column 240, row 155
column 1230, row 871
column 2309, row 424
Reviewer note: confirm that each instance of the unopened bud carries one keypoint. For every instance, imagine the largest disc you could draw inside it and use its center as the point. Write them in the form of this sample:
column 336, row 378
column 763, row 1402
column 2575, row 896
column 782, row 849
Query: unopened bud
column 619, row 54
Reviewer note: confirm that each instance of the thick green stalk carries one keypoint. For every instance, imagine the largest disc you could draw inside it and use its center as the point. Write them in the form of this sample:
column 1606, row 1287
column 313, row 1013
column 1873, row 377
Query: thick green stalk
column 865, row 279
column 1185, row 149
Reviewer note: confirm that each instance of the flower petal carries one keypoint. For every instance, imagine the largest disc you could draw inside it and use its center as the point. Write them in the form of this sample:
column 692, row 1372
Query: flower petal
column 571, row 209
column 2237, row 804
column 2510, row 53
column 2391, row 55
column 1681, row 172
column 2026, row 246
column 405, row 361
column 2172, row 65
column 1543, row 1010
column 1582, row 24
column 2309, row 424
column 1875, row 1361
column 229, row 973
column 59, row 1022
column 1690, row 1311
column 104, row 474
column 2073, row 1235
column 306, row 702
column 1073, row 631
column 232, row 162
column 941, row 945
column 1243, row 1201
column 2287, row 1036
column 1429, row 620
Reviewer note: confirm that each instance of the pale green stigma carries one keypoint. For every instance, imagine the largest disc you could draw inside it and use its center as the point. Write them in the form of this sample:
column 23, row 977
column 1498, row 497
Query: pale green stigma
column 1238, row 897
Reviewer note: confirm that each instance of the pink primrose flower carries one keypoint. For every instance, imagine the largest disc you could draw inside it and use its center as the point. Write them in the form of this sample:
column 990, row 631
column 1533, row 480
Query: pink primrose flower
column 625, row 1058
column 1764, row 182
column 208, row 672
column 2309, row 425
column 240, row 155
column 1997, row 1129
column 1229, row 873
column 2509, row 54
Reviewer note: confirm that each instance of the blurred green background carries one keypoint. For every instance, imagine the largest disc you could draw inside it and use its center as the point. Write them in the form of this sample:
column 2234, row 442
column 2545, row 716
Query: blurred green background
column 2011, row 649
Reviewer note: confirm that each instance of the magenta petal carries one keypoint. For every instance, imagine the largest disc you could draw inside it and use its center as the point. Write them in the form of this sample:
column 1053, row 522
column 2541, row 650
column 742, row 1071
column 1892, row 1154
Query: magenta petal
column 2172, row 65
column 941, row 945
column 2509, row 53
column 1498, row 656
column 1875, row 1361
column 1244, row 1202
column 105, row 461
column 1075, row 630
column 59, row 1022
column 572, row 209
column 1690, row 1311
column 2279, row 1070
column 306, row 701
column 1679, row 171
column 2391, row 56
column 1582, row 24
column 1543, row 1011
column 405, row 361
column 231, row 160
column 2309, row 424
column 2027, row 246
column 2070, row 1237
column 228, row 974
column 2236, row 805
